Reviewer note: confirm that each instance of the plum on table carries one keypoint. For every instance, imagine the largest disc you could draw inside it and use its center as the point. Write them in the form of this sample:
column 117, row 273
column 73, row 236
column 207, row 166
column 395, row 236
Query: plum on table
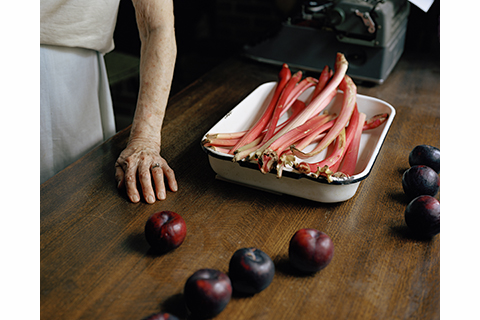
column 425, row 155
column 420, row 180
column 422, row 216
column 207, row 292
column 165, row 231
column 251, row 270
column 310, row 250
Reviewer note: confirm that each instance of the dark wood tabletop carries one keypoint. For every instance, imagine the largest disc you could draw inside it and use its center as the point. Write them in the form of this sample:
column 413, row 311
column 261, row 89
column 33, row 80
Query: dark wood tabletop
column 96, row 264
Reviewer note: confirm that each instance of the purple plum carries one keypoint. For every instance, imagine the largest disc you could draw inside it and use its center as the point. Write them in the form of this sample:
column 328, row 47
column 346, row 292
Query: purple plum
column 251, row 270
column 425, row 155
column 420, row 180
column 165, row 231
column 310, row 250
column 422, row 216
column 207, row 292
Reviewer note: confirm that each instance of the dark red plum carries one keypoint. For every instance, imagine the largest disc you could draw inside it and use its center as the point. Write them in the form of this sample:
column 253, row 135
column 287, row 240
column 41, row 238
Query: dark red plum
column 425, row 155
column 422, row 216
column 251, row 270
column 420, row 180
column 310, row 250
column 207, row 292
column 165, row 231
column 161, row 316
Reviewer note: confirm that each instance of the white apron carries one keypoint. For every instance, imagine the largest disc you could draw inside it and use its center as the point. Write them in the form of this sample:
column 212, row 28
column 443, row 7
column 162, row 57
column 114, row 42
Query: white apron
column 76, row 112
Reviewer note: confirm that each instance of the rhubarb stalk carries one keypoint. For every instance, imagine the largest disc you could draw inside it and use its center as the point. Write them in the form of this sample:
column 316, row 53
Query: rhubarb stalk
column 281, row 103
column 375, row 121
column 316, row 106
column 329, row 165
column 272, row 143
column 284, row 76
column 271, row 155
column 349, row 99
column 325, row 75
column 351, row 155
column 212, row 138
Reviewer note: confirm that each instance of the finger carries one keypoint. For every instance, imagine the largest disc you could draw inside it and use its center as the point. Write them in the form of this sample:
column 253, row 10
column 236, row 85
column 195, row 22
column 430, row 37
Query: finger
column 119, row 175
column 146, row 182
column 131, row 182
column 159, row 183
column 170, row 175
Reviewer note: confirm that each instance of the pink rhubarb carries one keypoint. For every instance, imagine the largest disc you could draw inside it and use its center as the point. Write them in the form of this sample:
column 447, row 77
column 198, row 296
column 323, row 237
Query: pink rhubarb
column 349, row 100
column 284, row 76
column 329, row 166
column 315, row 107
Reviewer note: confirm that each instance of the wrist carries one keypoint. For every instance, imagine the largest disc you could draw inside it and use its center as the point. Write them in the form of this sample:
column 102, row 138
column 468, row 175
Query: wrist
column 144, row 135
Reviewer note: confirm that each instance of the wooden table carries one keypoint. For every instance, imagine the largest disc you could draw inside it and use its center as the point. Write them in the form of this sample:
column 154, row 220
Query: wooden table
column 96, row 263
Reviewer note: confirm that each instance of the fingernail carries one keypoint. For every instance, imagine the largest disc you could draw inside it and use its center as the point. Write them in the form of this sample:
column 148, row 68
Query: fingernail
column 135, row 198
column 150, row 199
column 162, row 195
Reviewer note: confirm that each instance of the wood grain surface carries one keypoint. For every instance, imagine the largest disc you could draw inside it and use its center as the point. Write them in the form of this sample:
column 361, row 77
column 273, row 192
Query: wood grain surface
column 96, row 264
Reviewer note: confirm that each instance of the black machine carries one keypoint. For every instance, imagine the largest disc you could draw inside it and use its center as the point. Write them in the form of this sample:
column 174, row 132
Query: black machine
column 370, row 33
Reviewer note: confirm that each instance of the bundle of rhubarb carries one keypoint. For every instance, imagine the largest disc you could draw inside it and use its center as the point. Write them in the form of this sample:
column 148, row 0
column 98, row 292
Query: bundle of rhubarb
column 275, row 145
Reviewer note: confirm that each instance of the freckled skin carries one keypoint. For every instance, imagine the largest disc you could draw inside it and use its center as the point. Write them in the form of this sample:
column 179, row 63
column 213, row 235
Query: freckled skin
column 141, row 158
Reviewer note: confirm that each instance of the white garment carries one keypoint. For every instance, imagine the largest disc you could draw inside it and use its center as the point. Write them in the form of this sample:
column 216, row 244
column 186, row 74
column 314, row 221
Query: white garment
column 76, row 112
column 78, row 23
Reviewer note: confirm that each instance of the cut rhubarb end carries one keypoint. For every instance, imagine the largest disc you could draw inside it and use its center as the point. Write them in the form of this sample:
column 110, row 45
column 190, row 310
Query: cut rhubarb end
column 284, row 160
column 375, row 121
column 303, row 168
column 244, row 154
column 249, row 146
column 219, row 149
column 324, row 172
column 266, row 161
column 220, row 142
column 233, row 135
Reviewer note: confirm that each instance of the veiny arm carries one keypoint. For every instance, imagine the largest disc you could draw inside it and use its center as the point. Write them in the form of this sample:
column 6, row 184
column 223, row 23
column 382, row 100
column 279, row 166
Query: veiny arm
column 155, row 22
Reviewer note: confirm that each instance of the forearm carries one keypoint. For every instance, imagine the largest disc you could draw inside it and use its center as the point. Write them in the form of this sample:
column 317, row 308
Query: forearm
column 157, row 61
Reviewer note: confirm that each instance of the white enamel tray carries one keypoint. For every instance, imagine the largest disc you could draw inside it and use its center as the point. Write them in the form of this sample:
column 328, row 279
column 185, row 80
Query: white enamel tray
column 246, row 113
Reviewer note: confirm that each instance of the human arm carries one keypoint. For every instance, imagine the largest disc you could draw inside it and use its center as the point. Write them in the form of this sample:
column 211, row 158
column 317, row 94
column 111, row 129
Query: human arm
column 155, row 22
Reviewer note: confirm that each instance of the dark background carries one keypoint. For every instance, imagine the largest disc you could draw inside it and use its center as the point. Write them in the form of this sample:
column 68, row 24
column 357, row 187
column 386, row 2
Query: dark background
column 210, row 31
